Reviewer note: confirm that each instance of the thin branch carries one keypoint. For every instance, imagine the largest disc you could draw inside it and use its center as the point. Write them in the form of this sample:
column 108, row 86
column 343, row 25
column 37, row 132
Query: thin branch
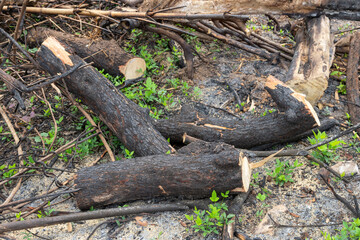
column 4, row 206
column 3, row 32
column 81, row 216
column 341, row 199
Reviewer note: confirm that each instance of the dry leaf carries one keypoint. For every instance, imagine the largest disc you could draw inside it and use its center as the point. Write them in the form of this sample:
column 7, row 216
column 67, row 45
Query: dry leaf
column 337, row 96
column 320, row 106
column 141, row 222
column 69, row 227
column 183, row 224
column 294, row 215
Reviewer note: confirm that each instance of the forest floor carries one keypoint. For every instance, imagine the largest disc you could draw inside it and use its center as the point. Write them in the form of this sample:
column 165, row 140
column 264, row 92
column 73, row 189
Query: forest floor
column 301, row 199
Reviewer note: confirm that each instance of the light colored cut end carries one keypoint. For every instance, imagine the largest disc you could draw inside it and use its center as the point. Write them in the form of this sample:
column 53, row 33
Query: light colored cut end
column 302, row 98
column 58, row 50
column 134, row 68
column 245, row 171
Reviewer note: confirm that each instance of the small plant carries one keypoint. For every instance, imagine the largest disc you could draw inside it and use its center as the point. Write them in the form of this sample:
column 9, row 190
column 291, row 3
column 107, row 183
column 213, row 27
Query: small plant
column 339, row 74
column 7, row 171
column 126, row 152
column 348, row 119
column 268, row 111
column 196, row 92
column 46, row 213
column 259, row 213
column 283, row 172
column 256, row 180
column 210, row 221
column 18, row 216
column 261, row 197
column 350, row 231
column 355, row 143
column 326, row 152
column 27, row 235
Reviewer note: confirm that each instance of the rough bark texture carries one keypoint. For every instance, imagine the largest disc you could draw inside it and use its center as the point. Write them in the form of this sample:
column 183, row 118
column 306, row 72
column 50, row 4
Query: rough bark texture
column 122, row 116
column 309, row 70
column 253, row 6
column 296, row 108
column 242, row 134
column 185, row 175
column 105, row 54
column 352, row 80
column 274, row 128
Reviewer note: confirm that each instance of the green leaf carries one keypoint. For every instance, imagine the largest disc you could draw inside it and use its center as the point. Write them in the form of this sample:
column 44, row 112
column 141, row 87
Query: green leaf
column 214, row 197
column 198, row 221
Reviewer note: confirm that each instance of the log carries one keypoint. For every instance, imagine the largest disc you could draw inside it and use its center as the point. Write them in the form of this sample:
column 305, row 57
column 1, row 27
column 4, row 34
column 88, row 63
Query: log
column 178, row 175
column 309, row 70
column 298, row 117
column 123, row 117
column 254, row 6
column 105, row 54
column 352, row 79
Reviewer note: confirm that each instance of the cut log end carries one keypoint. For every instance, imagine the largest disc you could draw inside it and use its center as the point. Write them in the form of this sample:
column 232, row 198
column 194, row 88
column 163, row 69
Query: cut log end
column 308, row 106
column 58, row 50
column 245, row 171
column 294, row 104
column 134, row 68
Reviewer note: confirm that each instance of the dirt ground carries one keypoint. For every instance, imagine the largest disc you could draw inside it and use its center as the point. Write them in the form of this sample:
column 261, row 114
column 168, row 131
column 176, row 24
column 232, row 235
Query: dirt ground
column 306, row 201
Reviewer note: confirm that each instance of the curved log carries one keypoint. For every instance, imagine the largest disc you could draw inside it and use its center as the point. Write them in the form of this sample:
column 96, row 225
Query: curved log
column 298, row 116
column 126, row 119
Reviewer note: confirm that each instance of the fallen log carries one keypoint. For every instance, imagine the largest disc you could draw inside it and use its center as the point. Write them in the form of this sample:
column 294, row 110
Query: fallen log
column 195, row 175
column 297, row 117
column 310, row 67
column 105, row 54
column 122, row 116
column 352, row 80
column 334, row 8
column 218, row 9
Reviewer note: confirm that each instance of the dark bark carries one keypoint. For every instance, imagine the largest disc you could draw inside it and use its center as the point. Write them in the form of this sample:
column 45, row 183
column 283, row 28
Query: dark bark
column 105, row 54
column 190, row 176
column 122, row 116
column 234, row 208
column 242, row 134
column 274, row 128
column 352, row 80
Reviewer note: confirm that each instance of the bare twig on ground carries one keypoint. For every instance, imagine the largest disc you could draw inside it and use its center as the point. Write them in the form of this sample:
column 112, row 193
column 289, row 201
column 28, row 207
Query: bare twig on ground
column 341, row 199
column 89, row 118
column 81, row 216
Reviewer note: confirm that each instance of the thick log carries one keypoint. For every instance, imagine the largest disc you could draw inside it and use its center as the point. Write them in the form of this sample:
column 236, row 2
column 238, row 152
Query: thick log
column 105, row 54
column 253, row 6
column 122, row 116
column 352, row 80
column 299, row 117
column 309, row 70
column 190, row 176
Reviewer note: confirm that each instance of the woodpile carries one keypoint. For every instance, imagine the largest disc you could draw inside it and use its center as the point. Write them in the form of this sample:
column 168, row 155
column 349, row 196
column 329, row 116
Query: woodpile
column 216, row 151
